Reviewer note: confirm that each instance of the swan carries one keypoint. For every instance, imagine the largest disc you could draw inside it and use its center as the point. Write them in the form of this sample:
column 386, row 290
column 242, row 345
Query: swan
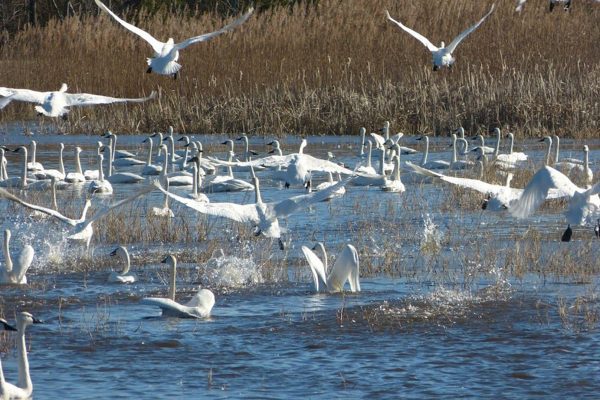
column 58, row 174
column 435, row 164
column 247, row 152
column 575, row 166
column 166, row 54
column 512, row 156
column 182, row 178
column 3, row 162
column 164, row 211
column 101, row 185
column 224, row 183
column 34, row 165
column 482, row 147
column 149, row 168
column 368, row 169
column 56, row 104
column 584, row 204
column 566, row 163
column 77, row 176
column 124, row 276
column 195, row 195
column 394, row 184
column 263, row 216
column 15, row 273
column 345, row 268
column 442, row 56
column 199, row 306
column 206, row 167
column 82, row 229
column 120, row 177
column 324, row 185
column 117, row 153
column 457, row 164
column 361, row 150
column 22, row 182
column 24, row 388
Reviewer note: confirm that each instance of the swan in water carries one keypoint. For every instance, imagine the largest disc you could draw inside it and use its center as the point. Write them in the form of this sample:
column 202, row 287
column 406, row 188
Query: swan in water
column 166, row 54
column 164, row 211
column 394, row 184
column 77, row 176
column 149, row 168
column 435, row 164
column 512, row 156
column 584, row 204
column 368, row 169
column 24, row 388
column 33, row 165
column 345, row 268
column 15, row 273
column 199, row 306
column 442, row 56
column 56, row 104
column 100, row 185
column 324, row 185
column 22, row 182
column 124, row 276
column 223, row 183
column 117, row 153
column 82, row 228
column 196, row 195
column 58, row 174
column 119, row 177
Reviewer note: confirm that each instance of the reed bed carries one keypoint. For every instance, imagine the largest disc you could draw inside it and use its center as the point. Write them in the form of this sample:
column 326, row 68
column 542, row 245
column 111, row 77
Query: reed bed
column 328, row 68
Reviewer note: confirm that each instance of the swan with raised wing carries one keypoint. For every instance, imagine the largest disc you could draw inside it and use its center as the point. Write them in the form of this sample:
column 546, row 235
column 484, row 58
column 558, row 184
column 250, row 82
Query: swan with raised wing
column 15, row 273
column 345, row 268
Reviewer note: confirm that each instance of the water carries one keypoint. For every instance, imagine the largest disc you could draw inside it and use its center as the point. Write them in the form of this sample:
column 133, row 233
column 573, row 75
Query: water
column 444, row 311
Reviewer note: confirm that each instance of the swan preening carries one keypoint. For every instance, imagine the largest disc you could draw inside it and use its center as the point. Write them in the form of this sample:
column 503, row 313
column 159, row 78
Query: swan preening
column 14, row 272
column 345, row 268
column 166, row 53
column 199, row 306
column 24, row 387
column 57, row 103
column 442, row 56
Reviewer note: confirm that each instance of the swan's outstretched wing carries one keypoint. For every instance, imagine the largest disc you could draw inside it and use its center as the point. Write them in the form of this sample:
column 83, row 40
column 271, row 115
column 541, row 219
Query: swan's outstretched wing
column 208, row 36
column 316, row 267
column 23, row 262
column 294, row 203
column 269, row 161
column 318, row 164
column 346, row 267
column 108, row 209
column 30, row 96
column 537, row 190
column 380, row 140
column 452, row 46
column 414, row 34
column 169, row 307
column 157, row 45
column 49, row 211
column 85, row 99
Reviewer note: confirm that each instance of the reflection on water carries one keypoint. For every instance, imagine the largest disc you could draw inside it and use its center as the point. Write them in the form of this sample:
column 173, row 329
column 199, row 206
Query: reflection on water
column 455, row 302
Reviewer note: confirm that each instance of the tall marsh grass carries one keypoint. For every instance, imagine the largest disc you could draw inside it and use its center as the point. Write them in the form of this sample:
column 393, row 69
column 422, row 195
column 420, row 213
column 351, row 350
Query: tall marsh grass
column 330, row 68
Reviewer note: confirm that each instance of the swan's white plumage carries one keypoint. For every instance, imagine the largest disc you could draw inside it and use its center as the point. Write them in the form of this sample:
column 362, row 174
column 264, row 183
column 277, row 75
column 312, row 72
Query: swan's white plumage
column 345, row 268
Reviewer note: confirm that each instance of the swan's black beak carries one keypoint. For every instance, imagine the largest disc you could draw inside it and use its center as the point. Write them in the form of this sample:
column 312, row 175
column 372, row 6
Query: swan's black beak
column 37, row 321
column 419, row 138
column 223, row 142
column 8, row 327
column 181, row 139
column 240, row 138
column 272, row 151
column 541, row 140
column 165, row 260
column 271, row 143
column 114, row 252
column 253, row 153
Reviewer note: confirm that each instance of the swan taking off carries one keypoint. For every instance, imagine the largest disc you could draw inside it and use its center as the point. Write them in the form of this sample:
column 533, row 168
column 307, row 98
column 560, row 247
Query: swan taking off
column 24, row 388
column 166, row 54
column 199, row 305
column 345, row 268
column 442, row 56
column 15, row 273
column 56, row 104
column 124, row 276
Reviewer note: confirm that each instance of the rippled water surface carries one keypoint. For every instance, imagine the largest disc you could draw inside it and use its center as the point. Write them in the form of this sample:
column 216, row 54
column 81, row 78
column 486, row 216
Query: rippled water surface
column 455, row 301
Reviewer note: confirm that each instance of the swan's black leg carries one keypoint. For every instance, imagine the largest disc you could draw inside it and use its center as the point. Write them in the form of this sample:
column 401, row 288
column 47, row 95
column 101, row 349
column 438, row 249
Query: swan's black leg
column 566, row 236
column 149, row 70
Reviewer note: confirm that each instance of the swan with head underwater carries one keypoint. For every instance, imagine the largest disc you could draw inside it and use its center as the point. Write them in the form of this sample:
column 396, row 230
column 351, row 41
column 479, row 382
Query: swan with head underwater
column 199, row 306
column 24, row 387
column 82, row 229
column 124, row 276
column 442, row 56
column 345, row 268
column 166, row 53
column 15, row 273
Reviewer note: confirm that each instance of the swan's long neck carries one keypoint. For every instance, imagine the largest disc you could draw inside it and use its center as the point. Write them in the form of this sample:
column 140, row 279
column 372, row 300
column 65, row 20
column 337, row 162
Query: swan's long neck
column 166, row 201
column 185, row 156
column 246, row 148
column 382, row 163
column 85, row 210
column 363, row 132
column 386, row 130
column 397, row 167
column 100, row 168
column 172, row 144
column 195, row 181
column 159, row 145
column 325, row 264
column 33, row 151
column 302, row 146
column 54, row 202
column 497, row 149
column 172, row 288
column 149, row 159
column 586, row 163
column 165, row 163
column 548, row 150
column 61, row 164
column 229, row 169
column 370, row 144
column 426, row 152
column 258, row 198
column 556, row 149
column 454, row 157
column 110, row 156
column 127, row 262
column 8, row 260
column 512, row 142
column 24, row 171
column 24, row 378
column 3, row 174
column 78, row 162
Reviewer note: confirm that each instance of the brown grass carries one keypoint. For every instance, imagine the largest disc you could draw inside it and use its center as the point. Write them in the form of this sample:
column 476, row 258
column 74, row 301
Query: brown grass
column 326, row 69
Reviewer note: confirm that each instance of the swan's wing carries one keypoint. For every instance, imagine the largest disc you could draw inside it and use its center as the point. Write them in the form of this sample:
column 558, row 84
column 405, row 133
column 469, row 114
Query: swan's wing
column 108, row 209
column 236, row 212
column 318, row 164
column 378, row 139
column 208, row 36
column 414, row 34
column 520, row 5
column 85, row 99
column 316, row 267
column 23, row 262
column 536, row 191
column 157, row 45
column 49, row 211
column 30, row 96
column 169, row 307
column 346, row 267
column 468, row 31
column 294, row 203
column 270, row 161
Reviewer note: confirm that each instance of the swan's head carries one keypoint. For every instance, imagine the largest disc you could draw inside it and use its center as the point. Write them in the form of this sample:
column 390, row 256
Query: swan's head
column 120, row 251
column 108, row 134
column 496, row 131
column 4, row 325
column 7, row 235
column 184, row 139
column 170, row 259
column 586, row 149
column 442, row 45
column 63, row 88
column 148, row 140
column 510, row 135
column 546, row 139
column 24, row 319
column 170, row 130
column 363, row 131
column 78, row 150
column 33, row 144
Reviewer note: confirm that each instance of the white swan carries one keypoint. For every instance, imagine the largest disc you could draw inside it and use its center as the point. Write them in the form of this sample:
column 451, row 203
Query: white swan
column 584, row 204
column 345, row 268
column 512, row 156
column 124, row 276
column 82, row 228
column 457, row 164
column 166, row 53
column 324, row 185
column 3, row 163
column 56, row 104
column 15, row 273
column 33, row 165
column 77, row 176
column 199, row 306
column 58, row 174
column 24, row 388
column 100, row 185
column 120, row 177
column 435, row 164
column 22, row 182
column 181, row 178
column 223, row 183
column 394, row 184
column 117, row 153
column 442, row 56
column 164, row 211
column 368, row 169
column 149, row 168
column 196, row 195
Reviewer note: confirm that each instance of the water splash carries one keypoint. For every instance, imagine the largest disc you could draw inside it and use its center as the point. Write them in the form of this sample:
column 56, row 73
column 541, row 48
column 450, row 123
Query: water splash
column 230, row 271
column 431, row 238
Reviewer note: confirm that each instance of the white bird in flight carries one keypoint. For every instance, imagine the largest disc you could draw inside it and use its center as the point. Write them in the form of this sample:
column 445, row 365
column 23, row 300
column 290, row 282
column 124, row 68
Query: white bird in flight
column 442, row 56
column 57, row 103
column 166, row 53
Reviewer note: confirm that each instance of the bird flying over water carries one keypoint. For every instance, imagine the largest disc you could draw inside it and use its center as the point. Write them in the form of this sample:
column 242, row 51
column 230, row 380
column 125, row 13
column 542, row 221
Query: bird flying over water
column 57, row 103
column 166, row 53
